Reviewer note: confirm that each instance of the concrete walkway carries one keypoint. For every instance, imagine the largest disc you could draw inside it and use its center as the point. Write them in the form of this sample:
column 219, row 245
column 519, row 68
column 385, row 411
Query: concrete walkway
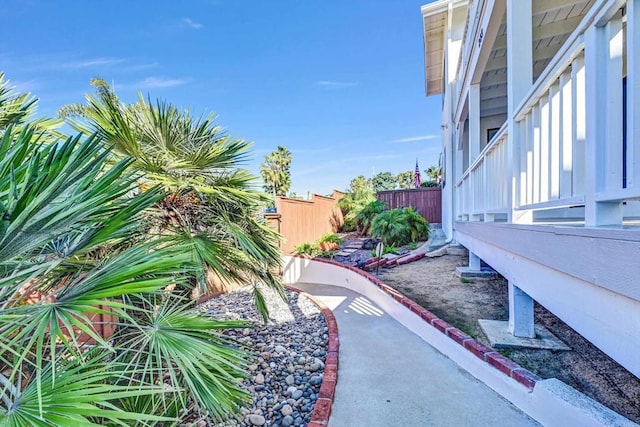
column 388, row 376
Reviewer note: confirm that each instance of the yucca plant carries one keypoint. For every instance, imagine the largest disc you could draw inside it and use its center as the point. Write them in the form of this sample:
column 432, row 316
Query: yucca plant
column 211, row 210
column 73, row 246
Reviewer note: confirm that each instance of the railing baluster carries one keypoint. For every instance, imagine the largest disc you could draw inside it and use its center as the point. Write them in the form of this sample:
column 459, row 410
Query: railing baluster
column 529, row 121
column 544, row 148
column 578, row 124
column 536, row 153
column 566, row 134
column 554, row 142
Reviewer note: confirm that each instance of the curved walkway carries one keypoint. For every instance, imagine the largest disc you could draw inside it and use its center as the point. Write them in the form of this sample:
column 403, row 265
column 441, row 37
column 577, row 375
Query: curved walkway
column 388, row 376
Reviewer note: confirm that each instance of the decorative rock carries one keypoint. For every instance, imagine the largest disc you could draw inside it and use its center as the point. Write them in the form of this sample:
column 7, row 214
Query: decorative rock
column 286, row 410
column 287, row 421
column 282, row 386
column 290, row 391
column 256, row 420
column 259, row 379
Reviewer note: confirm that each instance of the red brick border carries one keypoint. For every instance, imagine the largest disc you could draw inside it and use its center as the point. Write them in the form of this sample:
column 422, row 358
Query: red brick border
column 322, row 406
column 484, row 353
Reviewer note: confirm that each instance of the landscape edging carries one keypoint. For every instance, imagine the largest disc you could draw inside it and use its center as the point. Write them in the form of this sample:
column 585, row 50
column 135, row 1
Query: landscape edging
column 324, row 402
column 494, row 359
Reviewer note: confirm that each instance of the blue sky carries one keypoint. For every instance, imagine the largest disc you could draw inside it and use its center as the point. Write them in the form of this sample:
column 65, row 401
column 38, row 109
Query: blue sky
column 339, row 83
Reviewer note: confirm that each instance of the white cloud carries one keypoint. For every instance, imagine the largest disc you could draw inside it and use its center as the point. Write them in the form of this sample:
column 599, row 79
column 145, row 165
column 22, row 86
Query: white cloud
column 416, row 138
column 160, row 82
column 330, row 83
column 94, row 62
column 189, row 23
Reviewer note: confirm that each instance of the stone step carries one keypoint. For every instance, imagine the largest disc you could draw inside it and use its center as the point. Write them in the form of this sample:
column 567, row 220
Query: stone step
column 353, row 245
column 343, row 253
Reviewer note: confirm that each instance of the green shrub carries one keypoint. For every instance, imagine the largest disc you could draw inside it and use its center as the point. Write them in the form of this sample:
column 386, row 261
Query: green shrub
column 326, row 254
column 418, row 226
column 306, row 249
column 330, row 237
column 349, row 223
column 365, row 217
column 385, row 250
column 397, row 227
column 351, row 204
column 412, row 245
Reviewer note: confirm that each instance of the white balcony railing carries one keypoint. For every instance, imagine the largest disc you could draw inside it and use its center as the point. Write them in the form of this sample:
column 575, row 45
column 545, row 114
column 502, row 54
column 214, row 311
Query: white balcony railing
column 574, row 140
column 484, row 187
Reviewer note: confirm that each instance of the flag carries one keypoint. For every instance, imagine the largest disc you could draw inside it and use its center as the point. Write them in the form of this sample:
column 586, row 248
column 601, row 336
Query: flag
column 416, row 176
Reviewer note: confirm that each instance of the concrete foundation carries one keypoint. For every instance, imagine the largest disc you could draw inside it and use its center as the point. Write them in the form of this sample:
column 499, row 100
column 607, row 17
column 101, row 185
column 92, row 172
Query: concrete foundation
column 468, row 273
column 520, row 313
column 497, row 332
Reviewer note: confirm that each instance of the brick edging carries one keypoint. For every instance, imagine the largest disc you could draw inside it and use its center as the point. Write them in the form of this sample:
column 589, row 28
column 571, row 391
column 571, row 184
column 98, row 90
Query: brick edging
column 324, row 402
column 488, row 355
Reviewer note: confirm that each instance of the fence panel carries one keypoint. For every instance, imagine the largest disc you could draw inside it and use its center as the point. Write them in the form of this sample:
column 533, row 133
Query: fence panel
column 427, row 201
column 305, row 221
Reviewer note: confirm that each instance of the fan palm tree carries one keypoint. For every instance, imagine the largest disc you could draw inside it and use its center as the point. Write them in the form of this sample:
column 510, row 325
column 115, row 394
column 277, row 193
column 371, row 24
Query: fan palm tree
column 275, row 172
column 433, row 173
column 61, row 204
column 17, row 108
column 211, row 210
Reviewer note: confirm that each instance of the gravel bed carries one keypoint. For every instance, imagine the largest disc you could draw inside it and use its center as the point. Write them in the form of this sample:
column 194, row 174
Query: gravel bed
column 288, row 356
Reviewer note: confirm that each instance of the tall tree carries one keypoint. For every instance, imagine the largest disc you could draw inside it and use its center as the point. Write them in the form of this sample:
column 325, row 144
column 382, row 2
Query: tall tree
column 360, row 184
column 276, row 172
column 406, row 179
column 433, row 173
column 211, row 207
column 383, row 181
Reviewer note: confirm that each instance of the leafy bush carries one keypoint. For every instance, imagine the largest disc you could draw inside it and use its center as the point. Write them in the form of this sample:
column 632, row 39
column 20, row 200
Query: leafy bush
column 365, row 217
column 352, row 203
column 418, row 226
column 385, row 250
column 400, row 226
column 349, row 223
column 306, row 249
column 331, row 238
column 326, row 254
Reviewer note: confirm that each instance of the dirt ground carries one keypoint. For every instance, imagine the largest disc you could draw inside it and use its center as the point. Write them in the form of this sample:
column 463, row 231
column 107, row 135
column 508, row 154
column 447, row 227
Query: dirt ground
column 431, row 282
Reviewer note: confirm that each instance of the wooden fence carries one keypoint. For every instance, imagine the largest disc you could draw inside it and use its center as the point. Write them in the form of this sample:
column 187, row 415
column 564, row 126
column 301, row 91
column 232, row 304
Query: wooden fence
column 305, row 221
column 427, row 201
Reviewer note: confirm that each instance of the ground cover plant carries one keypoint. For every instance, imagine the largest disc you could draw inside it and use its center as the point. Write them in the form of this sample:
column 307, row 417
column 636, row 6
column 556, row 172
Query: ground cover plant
column 324, row 246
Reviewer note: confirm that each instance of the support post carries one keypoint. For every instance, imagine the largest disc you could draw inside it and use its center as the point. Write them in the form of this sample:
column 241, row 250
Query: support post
column 519, row 81
column 474, row 262
column 603, row 149
column 633, row 94
column 521, row 322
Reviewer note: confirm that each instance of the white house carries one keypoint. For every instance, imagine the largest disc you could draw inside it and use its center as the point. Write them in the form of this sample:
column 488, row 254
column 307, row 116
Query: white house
column 541, row 155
